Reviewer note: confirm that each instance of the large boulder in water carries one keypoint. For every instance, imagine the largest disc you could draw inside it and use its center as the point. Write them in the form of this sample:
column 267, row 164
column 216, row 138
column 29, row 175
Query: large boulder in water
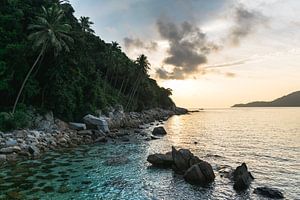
column 159, row 131
column 181, row 160
column 200, row 174
column 242, row 177
column 161, row 160
column 269, row 192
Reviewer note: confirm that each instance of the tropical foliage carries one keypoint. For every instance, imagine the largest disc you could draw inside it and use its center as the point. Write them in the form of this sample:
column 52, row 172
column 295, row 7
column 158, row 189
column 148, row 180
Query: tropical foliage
column 64, row 66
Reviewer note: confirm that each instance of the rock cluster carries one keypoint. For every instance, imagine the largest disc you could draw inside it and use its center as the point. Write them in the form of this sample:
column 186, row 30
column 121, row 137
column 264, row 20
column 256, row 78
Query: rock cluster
column 184, row 162
column 49, row 133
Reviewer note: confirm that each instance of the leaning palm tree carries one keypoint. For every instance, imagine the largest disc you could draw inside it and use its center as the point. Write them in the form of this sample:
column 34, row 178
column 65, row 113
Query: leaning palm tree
column 143, row 64
column 85, row 24
column 49, row 30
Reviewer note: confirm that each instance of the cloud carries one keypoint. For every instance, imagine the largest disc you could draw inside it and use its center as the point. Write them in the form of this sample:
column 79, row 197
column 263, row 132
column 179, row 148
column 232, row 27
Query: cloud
column 228, row 64
column 188, row 49
column 245, row 22
column 132, row 43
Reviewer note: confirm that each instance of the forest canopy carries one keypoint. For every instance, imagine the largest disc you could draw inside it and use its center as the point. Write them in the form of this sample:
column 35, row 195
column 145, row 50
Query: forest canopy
column 75, row 71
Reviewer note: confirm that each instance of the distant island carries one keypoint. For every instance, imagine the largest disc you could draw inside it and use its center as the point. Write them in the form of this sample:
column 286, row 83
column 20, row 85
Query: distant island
column 290, row 100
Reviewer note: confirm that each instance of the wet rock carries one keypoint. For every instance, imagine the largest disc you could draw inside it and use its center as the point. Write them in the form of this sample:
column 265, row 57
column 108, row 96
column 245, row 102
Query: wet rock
column 194, row 160
column 181, row 160
column 153, row 137
column 98, row 122
column 159, row 131
column 242, row 177
column 77, row 126
column 269, row 192
column 161, row 160
column 200, row 174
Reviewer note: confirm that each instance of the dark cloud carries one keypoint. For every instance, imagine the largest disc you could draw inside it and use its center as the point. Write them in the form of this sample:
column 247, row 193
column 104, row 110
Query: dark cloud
column 188, row 49
column 245, row 23
column 137, row 43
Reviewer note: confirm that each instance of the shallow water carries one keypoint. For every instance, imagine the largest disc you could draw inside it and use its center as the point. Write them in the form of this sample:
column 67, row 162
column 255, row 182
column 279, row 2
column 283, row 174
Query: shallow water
column 267, row 139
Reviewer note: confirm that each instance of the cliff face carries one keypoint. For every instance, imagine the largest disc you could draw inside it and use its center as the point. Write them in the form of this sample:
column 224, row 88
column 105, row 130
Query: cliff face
column 290, row 100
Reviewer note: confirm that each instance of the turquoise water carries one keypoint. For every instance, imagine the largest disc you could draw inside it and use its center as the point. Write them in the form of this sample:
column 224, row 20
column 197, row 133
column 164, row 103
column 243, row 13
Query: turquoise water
column 267, row 139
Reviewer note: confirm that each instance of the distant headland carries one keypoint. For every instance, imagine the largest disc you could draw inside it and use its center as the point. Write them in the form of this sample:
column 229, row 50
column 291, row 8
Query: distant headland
column 290, row 100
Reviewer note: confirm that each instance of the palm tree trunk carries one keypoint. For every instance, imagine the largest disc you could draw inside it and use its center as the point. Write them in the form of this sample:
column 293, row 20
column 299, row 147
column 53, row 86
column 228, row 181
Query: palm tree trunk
column 27, row 76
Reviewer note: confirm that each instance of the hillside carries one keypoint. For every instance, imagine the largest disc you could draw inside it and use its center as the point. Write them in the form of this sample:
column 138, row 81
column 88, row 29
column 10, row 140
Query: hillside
column 290, row 100
column 74, row 71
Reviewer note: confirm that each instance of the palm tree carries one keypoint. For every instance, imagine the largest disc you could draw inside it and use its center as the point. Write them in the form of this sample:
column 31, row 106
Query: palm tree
column 85, row 24
column 143, row 65
column 48, row 31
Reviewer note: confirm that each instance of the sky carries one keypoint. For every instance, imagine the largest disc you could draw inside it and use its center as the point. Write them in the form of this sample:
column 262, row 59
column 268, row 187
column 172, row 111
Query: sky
column 211, row 53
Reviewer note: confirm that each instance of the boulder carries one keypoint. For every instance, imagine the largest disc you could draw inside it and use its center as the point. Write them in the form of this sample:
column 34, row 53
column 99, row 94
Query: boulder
column 93, row 121
column 269, row 192
column 242, row 177
column 11, row 142
column 161, row 160
column 77, row 126
column 2, row 158
column 181, row 160
column 85, row 132
column 8, row 150
column 101, row 139
column 34, row 151
column 159, row 131
column 200, row 174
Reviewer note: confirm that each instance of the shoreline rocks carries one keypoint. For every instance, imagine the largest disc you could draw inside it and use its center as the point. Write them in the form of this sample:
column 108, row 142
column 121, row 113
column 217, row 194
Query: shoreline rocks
column 54, row 134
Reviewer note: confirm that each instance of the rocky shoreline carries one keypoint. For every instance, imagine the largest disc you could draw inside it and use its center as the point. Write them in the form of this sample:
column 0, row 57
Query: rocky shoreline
column 53, row 134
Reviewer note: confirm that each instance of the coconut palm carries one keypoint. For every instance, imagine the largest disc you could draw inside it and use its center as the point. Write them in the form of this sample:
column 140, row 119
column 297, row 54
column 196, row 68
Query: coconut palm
column 85, row 24
column 49, row 31
column 143, row 64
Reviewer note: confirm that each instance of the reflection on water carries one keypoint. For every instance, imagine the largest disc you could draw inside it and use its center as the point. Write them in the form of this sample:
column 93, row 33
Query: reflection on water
column 267, row 139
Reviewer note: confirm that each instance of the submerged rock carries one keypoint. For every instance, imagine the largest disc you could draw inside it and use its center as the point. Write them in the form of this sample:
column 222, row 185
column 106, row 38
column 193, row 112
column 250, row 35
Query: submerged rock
column 161, row 160
column 117, row 161
column 159, row 131
column 242, row 177
column 269, row 192
column 200, row 174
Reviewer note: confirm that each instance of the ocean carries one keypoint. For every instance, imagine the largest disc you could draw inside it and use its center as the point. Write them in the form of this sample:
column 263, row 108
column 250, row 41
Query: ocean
column 266, row 139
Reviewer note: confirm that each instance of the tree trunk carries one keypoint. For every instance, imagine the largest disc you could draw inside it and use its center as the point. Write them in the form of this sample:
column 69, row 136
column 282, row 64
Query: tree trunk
column 27, row 76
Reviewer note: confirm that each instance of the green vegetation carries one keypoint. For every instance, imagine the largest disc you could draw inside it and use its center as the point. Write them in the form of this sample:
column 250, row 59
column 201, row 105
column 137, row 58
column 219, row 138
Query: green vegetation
column 52, row 61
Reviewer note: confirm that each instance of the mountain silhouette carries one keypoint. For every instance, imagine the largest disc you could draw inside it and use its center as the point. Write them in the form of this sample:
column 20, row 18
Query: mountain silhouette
column 290, row 100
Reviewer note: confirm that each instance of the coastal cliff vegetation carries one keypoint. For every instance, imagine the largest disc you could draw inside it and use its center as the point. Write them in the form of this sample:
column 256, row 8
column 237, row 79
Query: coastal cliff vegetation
column 50, row 60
